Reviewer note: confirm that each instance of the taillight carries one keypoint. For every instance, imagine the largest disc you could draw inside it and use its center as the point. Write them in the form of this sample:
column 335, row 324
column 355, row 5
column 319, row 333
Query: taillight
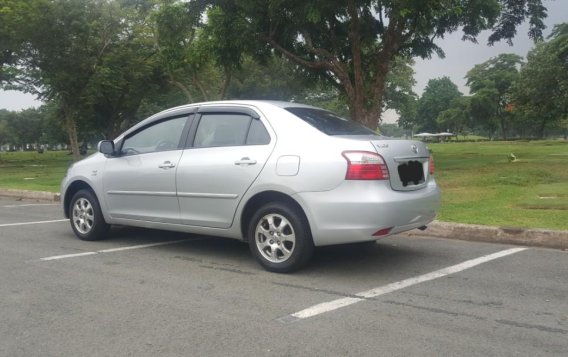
column 431, row 165
column 364, row 165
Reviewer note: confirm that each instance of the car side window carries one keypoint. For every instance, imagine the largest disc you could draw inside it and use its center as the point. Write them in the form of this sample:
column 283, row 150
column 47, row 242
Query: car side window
column 162, row 136
column 222, row 130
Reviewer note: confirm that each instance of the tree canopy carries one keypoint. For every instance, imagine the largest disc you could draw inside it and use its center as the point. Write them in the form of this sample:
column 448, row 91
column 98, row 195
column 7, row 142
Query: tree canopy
column 438, row 96
column 353, row 44
column 493, row 80
column 541, row 94
column 104, row 64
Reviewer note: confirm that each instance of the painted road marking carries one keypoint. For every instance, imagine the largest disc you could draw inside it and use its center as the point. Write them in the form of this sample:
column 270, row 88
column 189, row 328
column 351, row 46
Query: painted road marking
column 362, row 296
column 32, row 204
column 28, row 223
column 65, row 256
column 69, row 256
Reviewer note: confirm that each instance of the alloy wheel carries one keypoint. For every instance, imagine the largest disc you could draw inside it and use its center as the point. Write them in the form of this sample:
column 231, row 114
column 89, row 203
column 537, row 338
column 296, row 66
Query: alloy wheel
column 83, row 216
column 275, row 238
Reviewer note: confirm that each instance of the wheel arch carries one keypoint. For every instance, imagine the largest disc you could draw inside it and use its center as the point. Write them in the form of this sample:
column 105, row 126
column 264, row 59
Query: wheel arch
column 261, row 198
column 73, row 188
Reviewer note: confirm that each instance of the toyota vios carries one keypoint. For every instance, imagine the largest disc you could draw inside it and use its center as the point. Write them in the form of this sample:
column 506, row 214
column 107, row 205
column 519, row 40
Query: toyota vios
column 284, row 177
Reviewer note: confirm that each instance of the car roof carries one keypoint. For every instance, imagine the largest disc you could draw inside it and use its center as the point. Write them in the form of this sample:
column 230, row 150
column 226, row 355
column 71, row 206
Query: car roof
column 260, row 104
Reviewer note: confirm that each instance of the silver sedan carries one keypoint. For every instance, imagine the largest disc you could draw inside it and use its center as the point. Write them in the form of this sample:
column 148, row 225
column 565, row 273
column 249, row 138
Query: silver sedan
column 284, row 177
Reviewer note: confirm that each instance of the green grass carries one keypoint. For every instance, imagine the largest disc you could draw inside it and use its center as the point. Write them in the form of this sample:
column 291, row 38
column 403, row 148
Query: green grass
column 33, row 171
column 479, row 184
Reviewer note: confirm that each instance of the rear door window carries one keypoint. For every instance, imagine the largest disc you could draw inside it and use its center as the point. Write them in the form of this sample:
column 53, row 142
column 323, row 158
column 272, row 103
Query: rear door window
column 229, row 129
column 222, row 130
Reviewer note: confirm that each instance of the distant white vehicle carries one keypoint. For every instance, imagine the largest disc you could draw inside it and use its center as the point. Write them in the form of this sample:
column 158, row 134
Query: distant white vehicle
column 428, row 135
column 283, row 176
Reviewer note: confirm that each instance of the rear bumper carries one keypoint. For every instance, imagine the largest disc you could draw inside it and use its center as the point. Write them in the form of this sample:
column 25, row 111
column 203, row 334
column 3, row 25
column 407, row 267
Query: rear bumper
column 355, row 210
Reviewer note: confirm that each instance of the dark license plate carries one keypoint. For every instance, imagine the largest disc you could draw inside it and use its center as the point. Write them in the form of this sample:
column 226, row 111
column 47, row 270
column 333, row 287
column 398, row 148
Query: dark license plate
column 411, row 173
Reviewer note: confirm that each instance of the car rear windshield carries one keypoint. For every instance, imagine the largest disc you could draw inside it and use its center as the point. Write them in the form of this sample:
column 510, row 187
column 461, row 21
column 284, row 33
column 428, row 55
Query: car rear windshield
column 329, row 123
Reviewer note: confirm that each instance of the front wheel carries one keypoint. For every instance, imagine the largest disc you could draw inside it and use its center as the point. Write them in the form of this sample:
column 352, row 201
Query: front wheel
column 86, row 217
column 279, row 238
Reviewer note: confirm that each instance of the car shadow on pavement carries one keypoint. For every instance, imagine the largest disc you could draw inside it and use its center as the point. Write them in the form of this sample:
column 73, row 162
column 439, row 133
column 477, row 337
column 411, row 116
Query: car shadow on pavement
column 338, row 259
column 363, row 258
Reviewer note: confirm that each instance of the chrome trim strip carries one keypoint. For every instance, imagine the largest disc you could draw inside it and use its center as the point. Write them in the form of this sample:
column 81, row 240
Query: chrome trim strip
column 231, row 196
column 142, row 193
column 147, row 219
column 409, row 158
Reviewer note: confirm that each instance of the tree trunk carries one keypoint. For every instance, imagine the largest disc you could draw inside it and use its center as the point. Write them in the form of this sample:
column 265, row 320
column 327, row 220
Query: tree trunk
column 181, row 87
column 368, row 116
column 542, row 128
column 71, row 127
column 370, row 119
column 503, row 128
column 198, row 84
column 226, row 83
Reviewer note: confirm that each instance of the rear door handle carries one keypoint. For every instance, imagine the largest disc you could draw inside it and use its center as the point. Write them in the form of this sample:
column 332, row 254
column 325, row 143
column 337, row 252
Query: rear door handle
column 167, row 165
column 245, row 161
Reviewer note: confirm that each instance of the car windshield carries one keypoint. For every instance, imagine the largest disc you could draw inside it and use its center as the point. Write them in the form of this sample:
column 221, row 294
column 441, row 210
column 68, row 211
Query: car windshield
column 329, row 123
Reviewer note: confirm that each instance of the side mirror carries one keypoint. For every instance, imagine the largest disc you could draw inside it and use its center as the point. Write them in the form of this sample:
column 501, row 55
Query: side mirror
column 106, row 147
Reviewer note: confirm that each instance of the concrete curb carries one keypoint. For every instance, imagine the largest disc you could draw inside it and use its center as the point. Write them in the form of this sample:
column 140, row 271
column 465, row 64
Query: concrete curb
column 470, row 232
column 473, row 232
column 31, row 195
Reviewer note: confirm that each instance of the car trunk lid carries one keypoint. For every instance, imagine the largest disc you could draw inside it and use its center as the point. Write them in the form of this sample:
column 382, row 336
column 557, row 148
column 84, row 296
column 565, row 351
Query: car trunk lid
column 407, row 161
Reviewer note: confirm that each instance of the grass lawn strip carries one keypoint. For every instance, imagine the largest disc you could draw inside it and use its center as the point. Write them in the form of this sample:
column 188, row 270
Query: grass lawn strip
column 479, row 184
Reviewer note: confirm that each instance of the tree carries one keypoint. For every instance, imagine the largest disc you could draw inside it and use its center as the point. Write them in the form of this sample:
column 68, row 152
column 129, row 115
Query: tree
column 399, row 95
column 393, row 130
column 457, row 118
column 483, row 108
column 128, row 74
column 494, row 80
column 437, row 97
column 95, row 61
column 53, row 132
column 6, row 135
column 21, row 128
column 193, row 62
column 275, row 79
column 541, row 93
column 353, row 44
column 64, row 42
column 14, row 19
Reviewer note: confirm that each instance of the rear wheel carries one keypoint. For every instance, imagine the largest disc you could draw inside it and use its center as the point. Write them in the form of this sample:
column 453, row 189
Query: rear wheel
column 86, row 217
column 279, row 238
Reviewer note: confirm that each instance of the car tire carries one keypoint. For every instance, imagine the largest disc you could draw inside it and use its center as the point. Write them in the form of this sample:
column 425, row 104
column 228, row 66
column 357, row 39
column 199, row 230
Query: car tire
column 86, row 218
column 279, row 237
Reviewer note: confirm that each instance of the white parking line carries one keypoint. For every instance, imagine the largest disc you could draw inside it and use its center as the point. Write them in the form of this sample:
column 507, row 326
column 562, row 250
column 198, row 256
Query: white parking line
column 69, row 256
column 28, row 223
column 339, row 303
column 32, row 204
column 65, row 256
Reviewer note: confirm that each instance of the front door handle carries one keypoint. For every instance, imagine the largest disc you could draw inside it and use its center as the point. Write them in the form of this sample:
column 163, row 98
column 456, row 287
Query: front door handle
column 167, row 165
column 245, row 161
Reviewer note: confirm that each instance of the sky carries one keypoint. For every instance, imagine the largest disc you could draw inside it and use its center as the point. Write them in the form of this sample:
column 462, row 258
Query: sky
column 460, row 57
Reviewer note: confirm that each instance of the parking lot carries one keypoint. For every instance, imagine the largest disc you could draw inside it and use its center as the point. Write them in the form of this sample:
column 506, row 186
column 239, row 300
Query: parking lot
column 148, row 293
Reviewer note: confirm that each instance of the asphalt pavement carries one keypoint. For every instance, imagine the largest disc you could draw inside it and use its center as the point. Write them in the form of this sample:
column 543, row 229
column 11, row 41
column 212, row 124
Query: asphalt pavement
column 155, row 293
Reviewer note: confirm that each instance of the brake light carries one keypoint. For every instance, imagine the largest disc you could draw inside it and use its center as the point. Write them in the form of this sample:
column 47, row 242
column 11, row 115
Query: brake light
column 365, row 165
column 431, row 165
